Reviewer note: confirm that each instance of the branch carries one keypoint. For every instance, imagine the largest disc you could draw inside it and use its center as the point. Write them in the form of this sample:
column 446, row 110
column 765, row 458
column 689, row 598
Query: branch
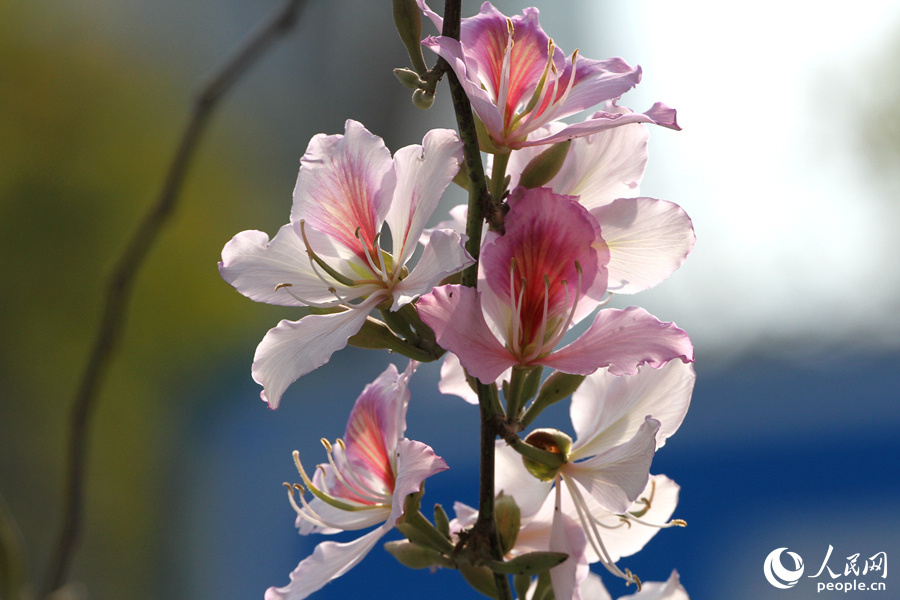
column 120, row 284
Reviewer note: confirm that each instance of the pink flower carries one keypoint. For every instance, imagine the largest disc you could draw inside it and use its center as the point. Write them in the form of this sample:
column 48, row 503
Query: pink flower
column 329, row 256
column 546, row 273
column 365, row 482
column 517, row 79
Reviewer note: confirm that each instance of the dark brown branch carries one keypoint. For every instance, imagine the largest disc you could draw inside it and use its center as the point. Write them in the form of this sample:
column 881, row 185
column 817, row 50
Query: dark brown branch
column 125, row 272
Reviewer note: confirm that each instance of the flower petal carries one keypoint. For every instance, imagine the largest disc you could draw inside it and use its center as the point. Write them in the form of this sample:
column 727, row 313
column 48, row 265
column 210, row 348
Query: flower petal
column 566, row 535
column 482, row 355
column 622, row 340
column 257, row 267
column 423, row 173
column 294, row 348
column 377, row 421
column 607, row 410
column 511, row 478
column 453, row 380
column 444, row 255
column 616, row 477
column 344, row 187
column 416, row 462
column 648, row 239
column 328, row 561
column 659, row 114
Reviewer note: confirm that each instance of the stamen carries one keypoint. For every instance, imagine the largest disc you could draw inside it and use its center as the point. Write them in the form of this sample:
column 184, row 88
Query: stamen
column 503, row 84
column 517, row 306
column 329, row 304
column 545, row 99
column 570, row 312
column 330, row 500
column 538, row 93
column 589, row 525
column 539, row 340
column 316, row 260
column 547, row 115
column 375, row 247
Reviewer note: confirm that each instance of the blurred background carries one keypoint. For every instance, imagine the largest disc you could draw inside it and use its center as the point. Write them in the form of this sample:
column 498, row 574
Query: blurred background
column 789, row 164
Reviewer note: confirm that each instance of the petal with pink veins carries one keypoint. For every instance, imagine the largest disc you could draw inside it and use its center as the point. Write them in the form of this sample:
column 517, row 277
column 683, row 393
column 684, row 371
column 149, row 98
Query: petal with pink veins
column 423, row 173
column 344, row 187
column 622, row 340
column 444, row 254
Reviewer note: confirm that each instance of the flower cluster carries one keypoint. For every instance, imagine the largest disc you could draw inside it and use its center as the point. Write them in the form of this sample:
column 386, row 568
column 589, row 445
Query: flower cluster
column 570, row 231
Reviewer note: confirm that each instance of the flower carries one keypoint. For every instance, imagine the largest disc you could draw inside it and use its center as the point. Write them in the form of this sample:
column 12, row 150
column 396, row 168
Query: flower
column 517, row 79
column 368, row 476
column 546, row 273
column 604, row 482
column 330, row 257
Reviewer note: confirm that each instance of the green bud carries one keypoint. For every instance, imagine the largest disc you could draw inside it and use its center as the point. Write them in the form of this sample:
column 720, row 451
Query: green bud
column 413, row 556
column 544, row 167
column 408, row 20
column 408, row 78
column 480, row 578
column 551, row 441
column 509, row 521
column 441, row 521
column 423, row 99
column 532, row 563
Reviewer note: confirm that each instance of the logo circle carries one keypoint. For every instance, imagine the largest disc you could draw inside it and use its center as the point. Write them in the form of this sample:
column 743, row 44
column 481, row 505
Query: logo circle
column 775, row 572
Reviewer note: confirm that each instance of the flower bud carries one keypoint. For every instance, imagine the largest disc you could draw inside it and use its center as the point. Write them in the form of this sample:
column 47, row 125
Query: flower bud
column 423, row 99
column 509, row 520
column 413, row 556
column 548, row 440
column 408, row 20
column 544, row 167
column 408, row 78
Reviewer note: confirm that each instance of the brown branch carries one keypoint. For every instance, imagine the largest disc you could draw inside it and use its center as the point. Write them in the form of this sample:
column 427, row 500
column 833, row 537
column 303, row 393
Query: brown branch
column 125, row 272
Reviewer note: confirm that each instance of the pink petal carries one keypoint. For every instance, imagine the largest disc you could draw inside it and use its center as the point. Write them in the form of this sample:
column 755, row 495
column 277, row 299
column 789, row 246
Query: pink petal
column 607, row 410
column 344, row 187
column 294, row 348
column 648, row 239
column 622, row 340
column 659, row 114
column 478, row 350
column 423, row 173
column 377, row 421
column 256, row 267
column 566, row 535
column 616, row 477
column 416, row 462
column 596, row 81
column 328, row 561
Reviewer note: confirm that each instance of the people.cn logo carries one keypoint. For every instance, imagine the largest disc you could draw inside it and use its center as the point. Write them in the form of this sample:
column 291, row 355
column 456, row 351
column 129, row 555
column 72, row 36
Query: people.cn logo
column 775, row 572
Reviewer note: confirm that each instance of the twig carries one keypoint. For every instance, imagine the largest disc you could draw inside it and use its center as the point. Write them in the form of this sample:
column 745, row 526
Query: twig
column 125, row 272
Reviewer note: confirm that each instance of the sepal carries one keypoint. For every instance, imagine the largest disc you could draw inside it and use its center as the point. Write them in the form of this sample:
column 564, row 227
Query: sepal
column 544, row 167
column 414, row 556
column 509, row 521
column 532, row 563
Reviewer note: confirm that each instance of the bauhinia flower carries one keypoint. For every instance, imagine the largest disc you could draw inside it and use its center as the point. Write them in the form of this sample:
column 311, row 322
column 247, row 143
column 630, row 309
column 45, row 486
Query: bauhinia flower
column 330, row 255
column 365, row 482
column 546, row 273
column 606, row 505
column 517, row 79
column 647, row 238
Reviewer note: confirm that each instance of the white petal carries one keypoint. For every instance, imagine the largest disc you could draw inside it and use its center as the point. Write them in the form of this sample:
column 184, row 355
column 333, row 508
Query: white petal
column 255, row 266
column 444, row 255
column 328, row 561
column 648, row 239
column 416, row 462
column 514, row 480
column 616, row 477
column 607, row 410
column 294, row 348
column 423, row 173
column 453, row 380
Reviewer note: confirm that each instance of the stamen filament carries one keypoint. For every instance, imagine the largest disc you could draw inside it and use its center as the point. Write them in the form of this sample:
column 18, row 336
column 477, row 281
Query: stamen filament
column 330, row 500
column 316, row 260
column 329, row 304
column 503, row 84
column 358, row 487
